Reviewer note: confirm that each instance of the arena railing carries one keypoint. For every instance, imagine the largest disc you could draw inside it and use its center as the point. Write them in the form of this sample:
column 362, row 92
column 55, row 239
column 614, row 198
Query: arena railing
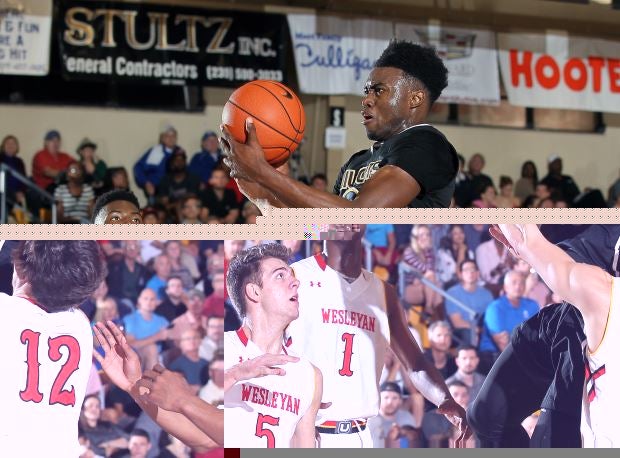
column 404, row 269
column 4, row 170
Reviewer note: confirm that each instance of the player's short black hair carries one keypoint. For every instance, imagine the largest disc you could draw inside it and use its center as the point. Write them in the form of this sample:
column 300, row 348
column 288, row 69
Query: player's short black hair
column 62, row 273
column 419, row 62
column 112, row 196
column 245, row 267
column 141, row 433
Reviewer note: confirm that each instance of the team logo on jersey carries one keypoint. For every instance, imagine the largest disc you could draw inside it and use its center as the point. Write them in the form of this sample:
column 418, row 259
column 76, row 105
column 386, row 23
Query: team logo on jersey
column 352, row 179
column 318, row 283
column 343, row 427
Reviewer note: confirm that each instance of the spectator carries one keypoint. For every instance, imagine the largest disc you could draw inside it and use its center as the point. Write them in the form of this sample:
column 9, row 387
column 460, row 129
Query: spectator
column 613, row 194
column 127, row 276
column 475, row 234
column 95, row 169
column 15, row 189
column 191, row 208
column 479, row 181
column 440, row 338
column 526, row 185
column 467, row 362
column 249, row 212
column 115, row 178
column 452, row 252
column 182, row 264
column 204, row 161
column 502, row 316
column 189, row 363
column 107, row 310
column 139, row 444
column 219, row 201
column 535, row 288
column 173, row 304
column 493, row 261
column 150, row 216
column 383, row 247
column 463, row 191
column 158, row 281
column 319, row 181
column 470, row 293
column 563, row 185
column 385, row 428
column 486, row 198
column 144, row 328
column 213, row 391
column 49, row 163
column 75, row 199
column 176, row 183
column 419, row 255
column 151, row 167
column 104, row 437
column 506, row 198
column 193, row 318
column 214, row 303
column 214, row 340
column 295, row 248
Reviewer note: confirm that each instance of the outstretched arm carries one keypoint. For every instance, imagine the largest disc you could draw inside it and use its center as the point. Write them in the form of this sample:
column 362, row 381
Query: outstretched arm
column 257, row 367
column 122, row 365
column 586, row 287
column 424, row 375
column 247, row 164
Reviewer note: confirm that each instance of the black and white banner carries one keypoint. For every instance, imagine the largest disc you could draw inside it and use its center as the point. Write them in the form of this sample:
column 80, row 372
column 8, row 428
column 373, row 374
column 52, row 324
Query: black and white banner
column 169, row 45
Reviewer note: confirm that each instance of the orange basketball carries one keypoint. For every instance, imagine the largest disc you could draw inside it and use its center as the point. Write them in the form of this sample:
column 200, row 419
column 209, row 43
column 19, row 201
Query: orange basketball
column 278, row 117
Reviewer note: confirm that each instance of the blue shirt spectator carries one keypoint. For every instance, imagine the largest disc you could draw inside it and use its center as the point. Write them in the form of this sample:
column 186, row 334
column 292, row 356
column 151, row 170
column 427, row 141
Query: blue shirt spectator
column 204, row 161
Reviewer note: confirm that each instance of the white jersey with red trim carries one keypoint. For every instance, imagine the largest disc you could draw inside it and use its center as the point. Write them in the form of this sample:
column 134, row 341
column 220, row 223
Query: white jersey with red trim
column 46, row 362
column 343, row 330
column 601, row 398
column 263, row 412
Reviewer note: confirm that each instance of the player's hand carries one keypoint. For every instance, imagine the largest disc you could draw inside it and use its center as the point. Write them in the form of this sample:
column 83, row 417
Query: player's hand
column 262, row 366
column 514, row 236
column 165, row 388
column 120, row 362
column 456, row 415
column 244, row 159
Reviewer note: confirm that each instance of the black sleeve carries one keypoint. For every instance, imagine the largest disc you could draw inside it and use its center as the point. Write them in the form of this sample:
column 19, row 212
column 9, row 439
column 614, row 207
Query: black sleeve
column 427, row 156
column 230, row 200
column 339, row 179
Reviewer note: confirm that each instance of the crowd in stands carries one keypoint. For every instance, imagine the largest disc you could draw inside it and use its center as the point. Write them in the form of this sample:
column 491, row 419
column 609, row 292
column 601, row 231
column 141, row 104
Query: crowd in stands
column 168, row 298
column 463, row 294
column 178, row 188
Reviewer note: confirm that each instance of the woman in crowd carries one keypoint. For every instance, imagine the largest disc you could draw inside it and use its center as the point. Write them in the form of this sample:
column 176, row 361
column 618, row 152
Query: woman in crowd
column 9, row 148
column 506, row 198
column 95, row 169
column 526, row 185
column 105, row 438
column 452, row 251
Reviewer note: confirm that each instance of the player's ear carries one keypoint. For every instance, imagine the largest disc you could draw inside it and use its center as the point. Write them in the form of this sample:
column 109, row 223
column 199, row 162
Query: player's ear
column 252, row 292
column 416, row 98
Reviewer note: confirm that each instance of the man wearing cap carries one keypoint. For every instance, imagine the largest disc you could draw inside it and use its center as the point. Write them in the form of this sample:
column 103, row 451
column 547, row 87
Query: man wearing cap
column 151, row 167
column 94, row 168
column 50, row 162
column 385, row 427
column 564, row 185
column 204, row 161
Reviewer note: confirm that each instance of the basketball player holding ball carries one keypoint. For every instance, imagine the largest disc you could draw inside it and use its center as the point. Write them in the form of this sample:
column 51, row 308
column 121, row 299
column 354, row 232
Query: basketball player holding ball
column 411, row 164
column 347, row 319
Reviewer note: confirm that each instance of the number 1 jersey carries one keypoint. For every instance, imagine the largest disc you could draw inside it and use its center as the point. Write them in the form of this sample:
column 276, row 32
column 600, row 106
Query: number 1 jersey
column 46, row 359
column 343, row 330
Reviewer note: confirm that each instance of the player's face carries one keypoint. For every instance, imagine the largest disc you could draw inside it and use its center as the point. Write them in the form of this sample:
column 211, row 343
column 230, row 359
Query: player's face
column 460, row 395
column 122, row 212
column 386, row 103
column 279, row 289
column 139, row 446
column 467, row 361
column 390, row 402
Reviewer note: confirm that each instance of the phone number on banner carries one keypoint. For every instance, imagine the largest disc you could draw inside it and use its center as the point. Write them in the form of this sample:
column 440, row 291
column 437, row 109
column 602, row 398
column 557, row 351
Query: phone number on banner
column 242, row 74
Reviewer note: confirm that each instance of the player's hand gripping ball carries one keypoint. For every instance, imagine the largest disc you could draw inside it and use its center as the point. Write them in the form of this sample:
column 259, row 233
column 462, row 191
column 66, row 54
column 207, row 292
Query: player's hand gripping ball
column 278, row 116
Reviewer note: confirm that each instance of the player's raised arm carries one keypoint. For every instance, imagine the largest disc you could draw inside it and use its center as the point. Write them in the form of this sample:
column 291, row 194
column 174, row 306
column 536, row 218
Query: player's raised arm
column 305, row 433
column 424, row 375
column 586, row 287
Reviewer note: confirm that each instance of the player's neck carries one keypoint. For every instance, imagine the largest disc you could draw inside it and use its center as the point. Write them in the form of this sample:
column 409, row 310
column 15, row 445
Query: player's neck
column 345, row 257
column 265, row 336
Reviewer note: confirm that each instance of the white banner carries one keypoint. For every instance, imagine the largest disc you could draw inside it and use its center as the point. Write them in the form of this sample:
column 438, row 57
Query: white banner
column 24, row 43
column 333, row 55
column 559, row 71
column 470, row 55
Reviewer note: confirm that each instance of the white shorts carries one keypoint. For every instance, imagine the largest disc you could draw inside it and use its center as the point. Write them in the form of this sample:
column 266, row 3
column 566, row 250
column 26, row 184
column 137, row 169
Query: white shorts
column 361, row 439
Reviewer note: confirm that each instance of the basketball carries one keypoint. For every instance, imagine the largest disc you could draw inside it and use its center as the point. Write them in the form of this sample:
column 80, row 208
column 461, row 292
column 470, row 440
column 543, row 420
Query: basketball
column 278, row 117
